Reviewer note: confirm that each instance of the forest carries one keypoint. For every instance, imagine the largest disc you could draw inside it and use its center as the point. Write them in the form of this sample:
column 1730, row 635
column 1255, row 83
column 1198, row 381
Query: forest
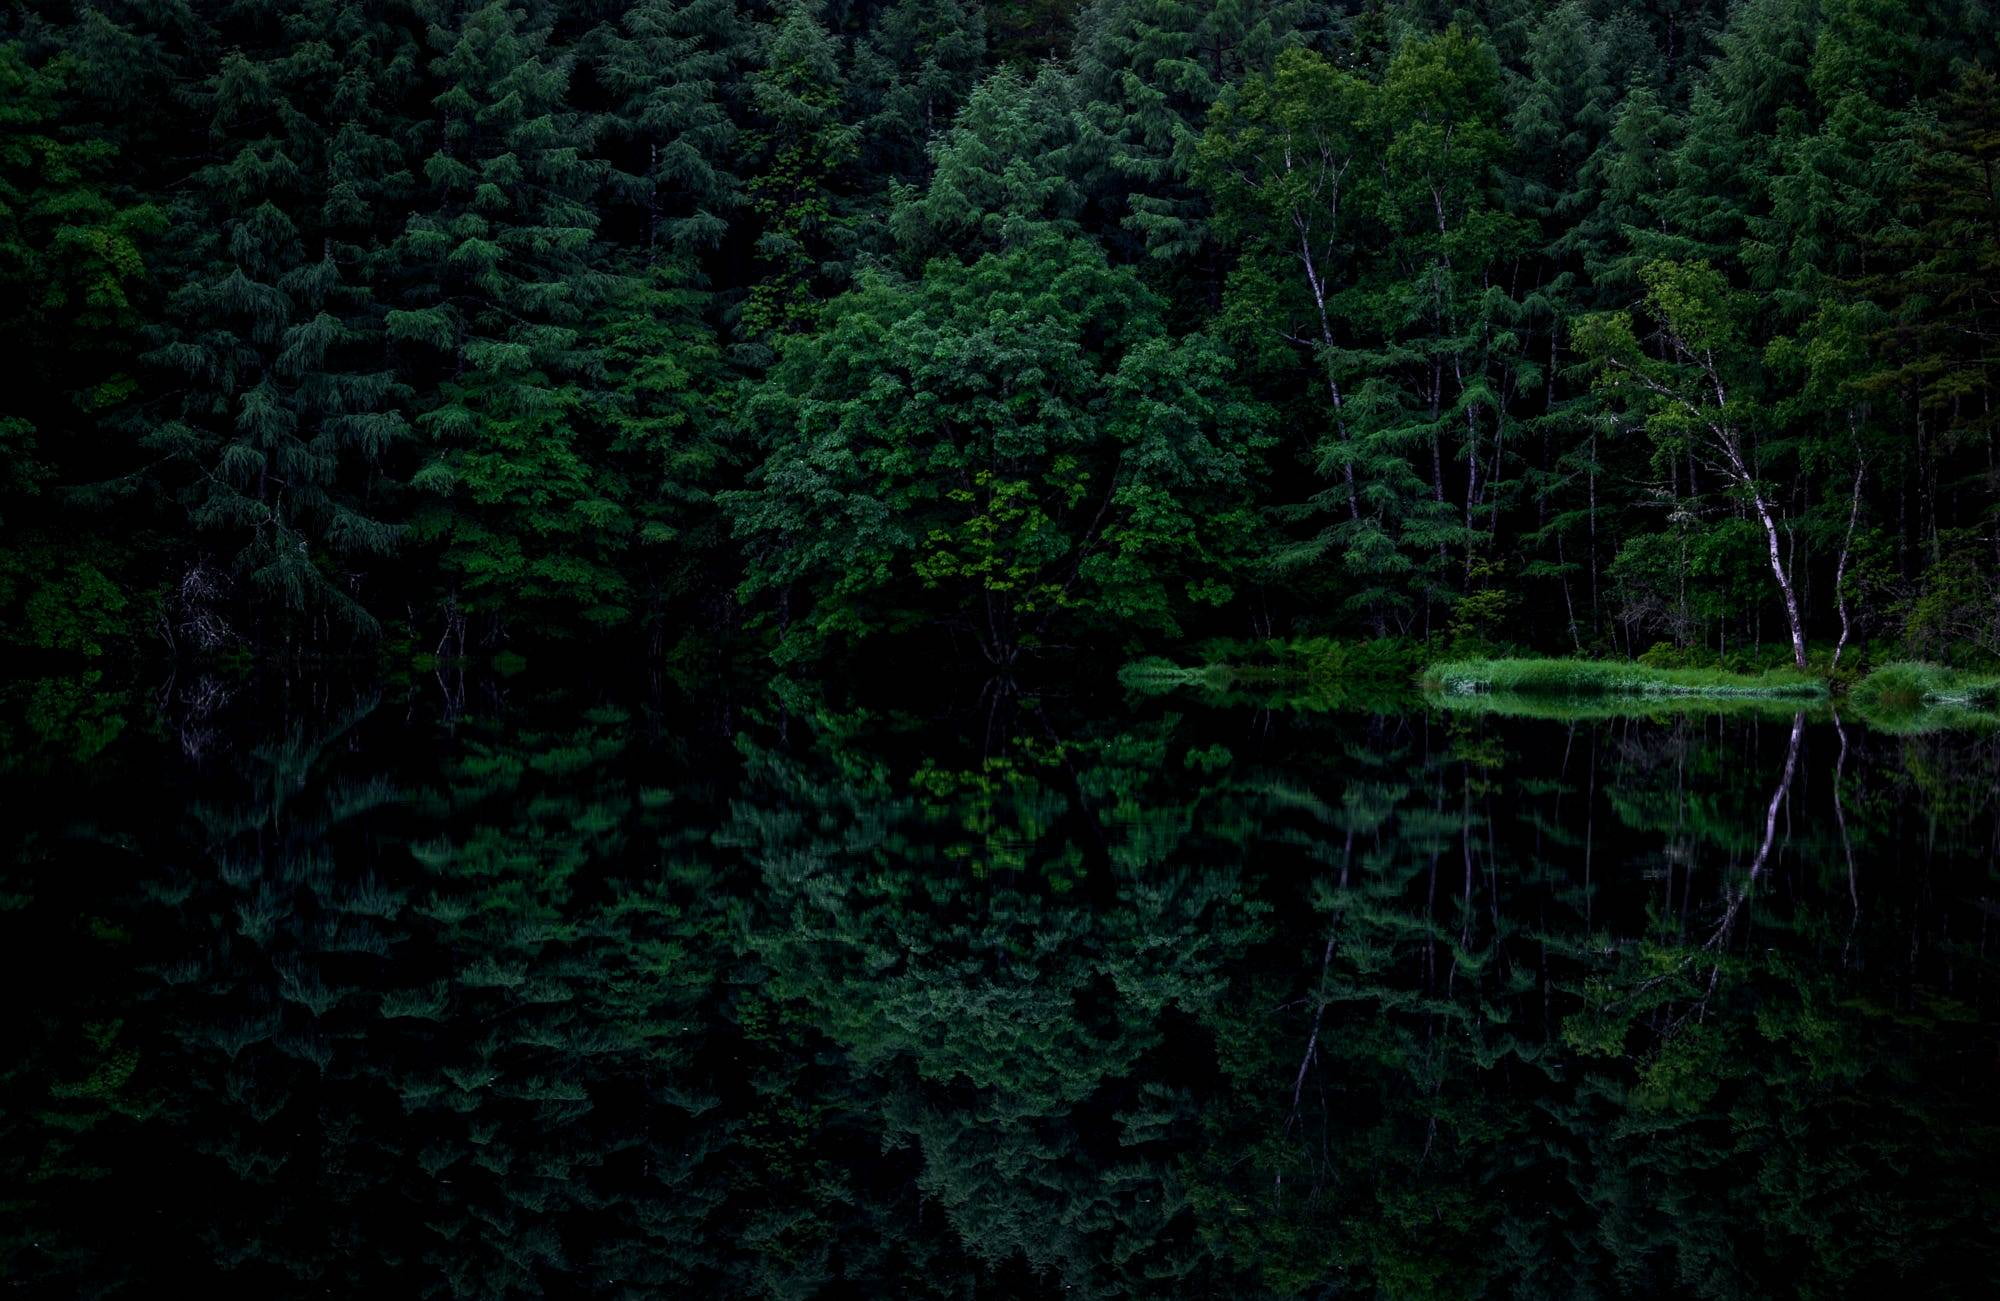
column 963, row 649
column 988, row 333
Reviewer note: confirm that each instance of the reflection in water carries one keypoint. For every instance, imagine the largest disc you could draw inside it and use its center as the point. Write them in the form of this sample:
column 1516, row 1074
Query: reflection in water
column 327, row 995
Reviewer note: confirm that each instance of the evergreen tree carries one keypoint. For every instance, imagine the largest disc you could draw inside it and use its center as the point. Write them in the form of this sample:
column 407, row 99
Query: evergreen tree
column 802, row 142
column 278, row 400
column 495, row 278
column 668, row 66
column 73, row 252
column 1001, row 176
column 1148, row 70
column 913, row 69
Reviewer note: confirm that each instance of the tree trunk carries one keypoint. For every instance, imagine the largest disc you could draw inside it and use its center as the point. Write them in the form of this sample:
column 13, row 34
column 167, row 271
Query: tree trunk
column 1784, row 579
column 1840, row 569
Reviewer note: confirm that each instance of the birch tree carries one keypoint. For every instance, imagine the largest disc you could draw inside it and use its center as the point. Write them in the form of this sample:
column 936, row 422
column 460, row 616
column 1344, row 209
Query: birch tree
column 1682, row 381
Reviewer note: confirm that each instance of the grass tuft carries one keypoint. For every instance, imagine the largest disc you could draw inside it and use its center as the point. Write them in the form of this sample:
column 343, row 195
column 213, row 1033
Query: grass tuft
column 1910, row 696
column 1912, row 684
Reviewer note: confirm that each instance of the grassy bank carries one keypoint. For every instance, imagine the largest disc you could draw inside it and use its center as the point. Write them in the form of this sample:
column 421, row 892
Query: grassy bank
column 1911, row 696
column 1910, row 684
column 1566, row 677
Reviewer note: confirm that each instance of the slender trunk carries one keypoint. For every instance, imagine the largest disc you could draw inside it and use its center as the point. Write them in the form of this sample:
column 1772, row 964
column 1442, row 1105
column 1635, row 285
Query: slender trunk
column 1437, row 458
column 1840, row 820
column 1562, row 567
column 1784, row 578
column 1840, row 569
column 1763, row 856
column 1596, row 612
column 1318, row 287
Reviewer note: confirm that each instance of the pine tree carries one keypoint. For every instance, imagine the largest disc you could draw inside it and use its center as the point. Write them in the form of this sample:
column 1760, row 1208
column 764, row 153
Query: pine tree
column 1444, row 329
column 668, row 65
column 1001, row 176
column 1148, row 70
column 497, row 274
column 73, row 253
column 802, row 142
column 280, row 404
column 913, row 69
column 1292, row 166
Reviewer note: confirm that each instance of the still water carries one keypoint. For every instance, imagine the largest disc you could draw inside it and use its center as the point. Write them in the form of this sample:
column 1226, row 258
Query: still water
column 518, row 989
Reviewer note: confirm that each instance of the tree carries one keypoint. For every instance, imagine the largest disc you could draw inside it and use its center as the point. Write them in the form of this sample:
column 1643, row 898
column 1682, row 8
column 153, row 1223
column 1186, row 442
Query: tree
column 1688, row 395
column 668, row 65
column 802, row 142
column 496, row 275
column 278, row 402
column 73, row 267
column 1281, row 157
column 1149, row 70
column 1001, row 177
column 1015, row 446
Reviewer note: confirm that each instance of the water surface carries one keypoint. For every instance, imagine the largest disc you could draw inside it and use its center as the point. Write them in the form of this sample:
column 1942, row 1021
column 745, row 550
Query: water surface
column 522, row 989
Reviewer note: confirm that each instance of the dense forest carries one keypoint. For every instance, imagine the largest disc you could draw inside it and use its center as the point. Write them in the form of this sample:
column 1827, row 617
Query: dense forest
column 1002, row 330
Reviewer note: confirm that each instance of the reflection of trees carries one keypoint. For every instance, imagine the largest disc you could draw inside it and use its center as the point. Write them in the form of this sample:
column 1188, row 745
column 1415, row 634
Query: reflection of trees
column 1532, row 1067
column 430, row 1021
column 1011, row 993
column 543, row 1004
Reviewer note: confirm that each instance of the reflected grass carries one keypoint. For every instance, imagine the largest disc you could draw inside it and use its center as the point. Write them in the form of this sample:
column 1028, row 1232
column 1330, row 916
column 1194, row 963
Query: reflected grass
column 1602, row 706
column 1311, row 675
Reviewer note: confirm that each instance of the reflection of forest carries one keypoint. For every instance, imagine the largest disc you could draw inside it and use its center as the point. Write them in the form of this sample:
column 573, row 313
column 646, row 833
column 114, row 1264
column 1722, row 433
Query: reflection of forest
column 627, row 1001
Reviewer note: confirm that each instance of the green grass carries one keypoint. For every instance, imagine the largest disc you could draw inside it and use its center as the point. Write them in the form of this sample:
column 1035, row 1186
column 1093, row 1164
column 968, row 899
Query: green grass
column 1156, row 675
column 1566, row 677
column 1910, row 684
column 1913, row 697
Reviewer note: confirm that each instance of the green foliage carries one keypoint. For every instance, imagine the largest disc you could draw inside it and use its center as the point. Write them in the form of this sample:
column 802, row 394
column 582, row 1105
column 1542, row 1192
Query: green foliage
column 1019, row 436
column 802, row 143
column 1957, row 601
column 454, row 325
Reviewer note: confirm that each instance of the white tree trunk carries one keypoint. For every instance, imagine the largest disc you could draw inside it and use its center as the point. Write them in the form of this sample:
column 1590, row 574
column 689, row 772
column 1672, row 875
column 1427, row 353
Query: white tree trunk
column 1784, row 578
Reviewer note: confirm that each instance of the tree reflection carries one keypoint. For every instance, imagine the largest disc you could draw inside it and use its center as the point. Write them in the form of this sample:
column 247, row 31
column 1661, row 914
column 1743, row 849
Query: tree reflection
column 604, row 999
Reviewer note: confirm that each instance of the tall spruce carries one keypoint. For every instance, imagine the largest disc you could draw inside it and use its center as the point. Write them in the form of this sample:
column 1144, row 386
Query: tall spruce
column 496, row 273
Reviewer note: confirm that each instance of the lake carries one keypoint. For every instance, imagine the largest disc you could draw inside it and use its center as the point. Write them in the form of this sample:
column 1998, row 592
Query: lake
column 512, row 988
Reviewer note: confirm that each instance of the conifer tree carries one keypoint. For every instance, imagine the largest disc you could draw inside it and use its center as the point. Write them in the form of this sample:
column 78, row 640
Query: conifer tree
column 279, row 403
column 1001, row 176
column 802, row 141
column 73, row 268
column 1148, row 70
column 668, row 66
column 496, row 275
column 913, row 69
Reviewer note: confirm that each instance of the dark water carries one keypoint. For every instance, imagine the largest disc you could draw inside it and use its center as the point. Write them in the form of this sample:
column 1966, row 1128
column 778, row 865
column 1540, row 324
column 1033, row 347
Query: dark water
column 520, row 990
